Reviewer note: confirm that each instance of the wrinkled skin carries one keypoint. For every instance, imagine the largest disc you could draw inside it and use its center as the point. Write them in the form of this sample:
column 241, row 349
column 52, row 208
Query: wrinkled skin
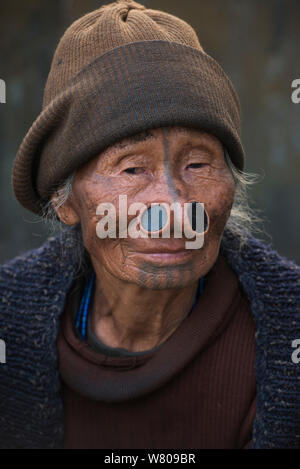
column 169, row 165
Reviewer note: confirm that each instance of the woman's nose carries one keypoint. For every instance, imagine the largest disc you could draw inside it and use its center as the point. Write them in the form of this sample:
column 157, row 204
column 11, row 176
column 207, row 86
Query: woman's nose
column 167, row 186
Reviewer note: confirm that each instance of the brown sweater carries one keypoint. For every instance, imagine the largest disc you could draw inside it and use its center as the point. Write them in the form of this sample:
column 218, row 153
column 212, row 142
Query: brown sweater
column 195, row 391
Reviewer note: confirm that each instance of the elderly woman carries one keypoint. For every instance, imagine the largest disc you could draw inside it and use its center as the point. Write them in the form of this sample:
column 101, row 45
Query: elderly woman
column 140, row 341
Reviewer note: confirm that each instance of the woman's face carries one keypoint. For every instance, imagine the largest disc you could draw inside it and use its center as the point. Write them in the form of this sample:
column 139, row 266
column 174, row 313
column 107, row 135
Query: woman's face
column 172, row 164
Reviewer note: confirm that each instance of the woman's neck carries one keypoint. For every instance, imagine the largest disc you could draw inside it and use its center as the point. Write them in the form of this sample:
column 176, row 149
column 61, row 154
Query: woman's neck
column 136, row 318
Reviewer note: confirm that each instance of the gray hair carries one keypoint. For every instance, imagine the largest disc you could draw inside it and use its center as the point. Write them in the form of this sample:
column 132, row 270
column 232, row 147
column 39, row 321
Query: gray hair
column 61, row 195
column 242, row 222
column 71, row 236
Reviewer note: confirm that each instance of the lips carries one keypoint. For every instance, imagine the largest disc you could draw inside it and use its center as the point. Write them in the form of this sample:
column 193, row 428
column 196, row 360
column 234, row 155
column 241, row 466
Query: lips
column 159, row 246
column 167, row 255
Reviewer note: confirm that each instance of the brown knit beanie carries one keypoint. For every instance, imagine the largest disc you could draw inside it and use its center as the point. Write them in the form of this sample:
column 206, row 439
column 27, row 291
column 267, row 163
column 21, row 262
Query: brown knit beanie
column 117, row 71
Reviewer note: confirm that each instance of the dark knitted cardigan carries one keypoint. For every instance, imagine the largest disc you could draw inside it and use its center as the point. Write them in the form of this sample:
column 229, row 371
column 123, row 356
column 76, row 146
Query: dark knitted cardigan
column 33, row 290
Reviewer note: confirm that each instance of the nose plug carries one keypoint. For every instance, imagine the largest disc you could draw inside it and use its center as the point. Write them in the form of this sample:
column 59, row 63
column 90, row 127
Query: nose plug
column 156, row 219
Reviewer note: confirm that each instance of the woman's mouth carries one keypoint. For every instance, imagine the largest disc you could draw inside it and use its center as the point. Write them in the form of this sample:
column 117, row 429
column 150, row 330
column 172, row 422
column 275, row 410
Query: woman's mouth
column 168, row 256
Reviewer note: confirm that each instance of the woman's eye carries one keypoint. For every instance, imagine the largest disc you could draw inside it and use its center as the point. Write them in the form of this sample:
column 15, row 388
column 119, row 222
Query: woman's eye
column 133, row 170
column 196, row 165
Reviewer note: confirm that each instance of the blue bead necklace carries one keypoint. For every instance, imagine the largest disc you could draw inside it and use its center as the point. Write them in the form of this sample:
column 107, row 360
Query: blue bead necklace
column 82, row 315
column 81, row 321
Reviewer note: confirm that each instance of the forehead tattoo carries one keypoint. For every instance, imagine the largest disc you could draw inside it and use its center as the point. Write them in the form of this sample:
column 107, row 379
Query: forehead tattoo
column 174, row 191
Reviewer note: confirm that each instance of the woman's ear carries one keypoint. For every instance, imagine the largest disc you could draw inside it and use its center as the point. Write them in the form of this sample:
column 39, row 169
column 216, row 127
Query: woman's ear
column 65, row 212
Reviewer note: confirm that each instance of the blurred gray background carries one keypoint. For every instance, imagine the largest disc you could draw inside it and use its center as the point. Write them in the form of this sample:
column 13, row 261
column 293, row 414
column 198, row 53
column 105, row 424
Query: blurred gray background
column 257, row 44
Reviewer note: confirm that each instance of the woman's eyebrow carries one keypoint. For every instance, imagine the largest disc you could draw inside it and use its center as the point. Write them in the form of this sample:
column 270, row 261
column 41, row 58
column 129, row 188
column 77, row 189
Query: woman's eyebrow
column 208, row 147
column 140, row 137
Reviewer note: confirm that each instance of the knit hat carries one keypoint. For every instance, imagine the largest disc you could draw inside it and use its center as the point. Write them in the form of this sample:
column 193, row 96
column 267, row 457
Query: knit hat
column 117, row 71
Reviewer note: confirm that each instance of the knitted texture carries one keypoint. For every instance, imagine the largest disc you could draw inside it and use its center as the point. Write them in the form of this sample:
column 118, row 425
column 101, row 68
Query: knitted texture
column 33, row 291
column 118, row 71
column 107, row 28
